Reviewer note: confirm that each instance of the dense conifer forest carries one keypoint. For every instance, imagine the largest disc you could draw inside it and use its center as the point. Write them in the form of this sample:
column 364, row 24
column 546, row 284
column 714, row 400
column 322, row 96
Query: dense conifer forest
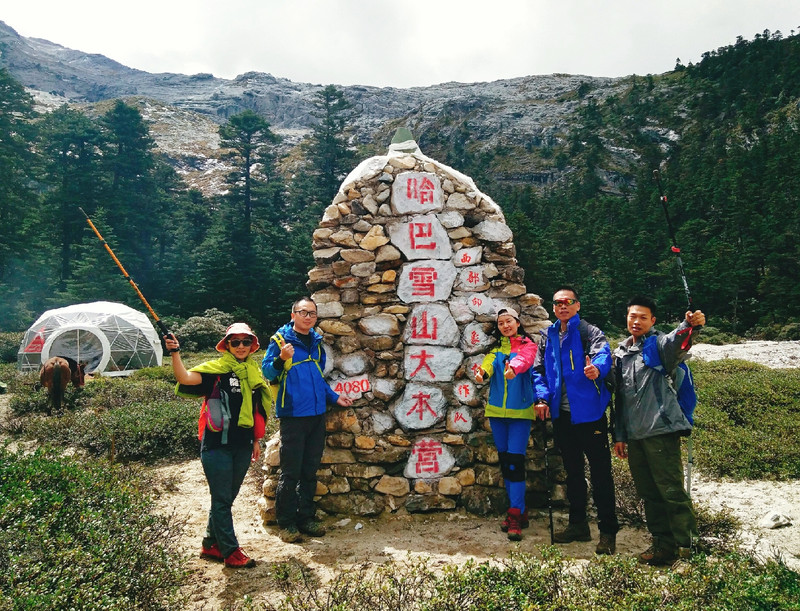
column 723, row 134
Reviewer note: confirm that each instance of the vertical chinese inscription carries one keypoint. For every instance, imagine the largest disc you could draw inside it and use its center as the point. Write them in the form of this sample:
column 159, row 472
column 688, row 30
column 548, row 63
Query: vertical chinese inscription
column 417, row 192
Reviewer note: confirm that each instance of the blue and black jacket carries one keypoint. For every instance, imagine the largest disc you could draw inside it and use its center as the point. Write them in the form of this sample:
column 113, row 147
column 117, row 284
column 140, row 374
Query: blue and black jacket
column 556, row 363
column 302, row 389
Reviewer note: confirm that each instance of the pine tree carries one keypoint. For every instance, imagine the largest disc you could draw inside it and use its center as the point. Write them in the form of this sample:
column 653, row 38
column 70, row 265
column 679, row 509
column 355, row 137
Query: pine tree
column 19, row 229
column 71, row 146
column 329, row 153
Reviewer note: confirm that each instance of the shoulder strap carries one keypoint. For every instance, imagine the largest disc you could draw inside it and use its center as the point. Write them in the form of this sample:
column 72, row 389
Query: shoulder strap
column 583, row 330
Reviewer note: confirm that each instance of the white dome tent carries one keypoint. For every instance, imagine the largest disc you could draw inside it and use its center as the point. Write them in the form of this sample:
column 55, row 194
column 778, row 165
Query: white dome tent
column 110, row 338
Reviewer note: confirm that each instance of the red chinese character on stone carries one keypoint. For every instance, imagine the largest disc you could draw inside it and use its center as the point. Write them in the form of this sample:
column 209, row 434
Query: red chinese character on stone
column 418, row 232
column 423, row 362
column 459, row 417
column 422, row 280
column 422, row 190
column 473, row 277
column 474, row 338
column 464, row 391
column 475, row 368
column 427, row 452
column 466, row 258
column 477, row 302
column 420, row 330
column 421, row 406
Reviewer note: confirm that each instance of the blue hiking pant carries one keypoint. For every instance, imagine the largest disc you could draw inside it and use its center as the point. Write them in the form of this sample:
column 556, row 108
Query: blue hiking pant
column 511, row 437
column 225, row 468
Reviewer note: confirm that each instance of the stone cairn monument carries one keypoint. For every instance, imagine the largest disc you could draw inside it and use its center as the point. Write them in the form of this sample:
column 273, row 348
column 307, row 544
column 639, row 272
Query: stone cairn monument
column 412, row 264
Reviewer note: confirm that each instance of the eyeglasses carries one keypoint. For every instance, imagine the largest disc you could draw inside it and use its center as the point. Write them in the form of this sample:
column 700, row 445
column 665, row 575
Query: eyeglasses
column 564, row 302
column 306, row 313
column 234, row 343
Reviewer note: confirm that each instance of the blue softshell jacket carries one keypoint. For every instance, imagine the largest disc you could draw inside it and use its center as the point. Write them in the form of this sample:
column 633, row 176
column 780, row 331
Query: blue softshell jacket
column 588, row 399
column 303, row 391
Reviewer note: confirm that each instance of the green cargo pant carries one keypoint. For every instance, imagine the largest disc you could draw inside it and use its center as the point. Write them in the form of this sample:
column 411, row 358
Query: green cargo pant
column 657, row 472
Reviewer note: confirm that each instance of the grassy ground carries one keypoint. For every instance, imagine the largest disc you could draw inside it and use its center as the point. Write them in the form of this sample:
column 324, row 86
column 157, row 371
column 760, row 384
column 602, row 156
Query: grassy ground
column 107, row 549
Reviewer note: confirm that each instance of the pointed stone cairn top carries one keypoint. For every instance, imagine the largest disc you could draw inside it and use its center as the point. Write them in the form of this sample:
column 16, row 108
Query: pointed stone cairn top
column 403, row 142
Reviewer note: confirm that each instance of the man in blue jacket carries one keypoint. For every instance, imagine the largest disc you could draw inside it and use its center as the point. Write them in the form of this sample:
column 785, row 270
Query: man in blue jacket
column 295, row 359
column 568, row 374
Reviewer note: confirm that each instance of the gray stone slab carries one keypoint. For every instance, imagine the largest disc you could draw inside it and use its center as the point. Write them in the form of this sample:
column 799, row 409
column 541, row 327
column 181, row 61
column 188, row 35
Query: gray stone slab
column 431, row 323
column 421, row 237
column 431, row 363
column 416, row 192
column 426, row 280
column 429, row 459
column 420, row 407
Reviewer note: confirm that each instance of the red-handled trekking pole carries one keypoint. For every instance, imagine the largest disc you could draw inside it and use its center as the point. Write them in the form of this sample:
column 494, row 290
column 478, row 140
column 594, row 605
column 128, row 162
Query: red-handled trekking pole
column 162, row 327
column 676, row 249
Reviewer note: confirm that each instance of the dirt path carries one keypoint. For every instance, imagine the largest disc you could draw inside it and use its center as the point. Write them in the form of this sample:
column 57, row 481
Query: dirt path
column 444, row 538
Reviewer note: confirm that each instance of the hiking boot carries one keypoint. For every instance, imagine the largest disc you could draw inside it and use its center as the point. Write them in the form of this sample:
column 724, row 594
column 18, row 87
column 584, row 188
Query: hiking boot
column 290, row 534
column 239, row 560
column 312, row 528
column 211, row 553
column 573, row 532
column 607, row 546
column 514, row 518
column 525, row 522
column 658, row 556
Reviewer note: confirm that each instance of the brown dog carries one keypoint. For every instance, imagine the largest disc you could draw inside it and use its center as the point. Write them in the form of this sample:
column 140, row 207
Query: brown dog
column 55, row 374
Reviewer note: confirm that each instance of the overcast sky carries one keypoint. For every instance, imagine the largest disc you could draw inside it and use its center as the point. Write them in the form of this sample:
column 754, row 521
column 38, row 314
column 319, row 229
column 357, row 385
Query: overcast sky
column 403, row 43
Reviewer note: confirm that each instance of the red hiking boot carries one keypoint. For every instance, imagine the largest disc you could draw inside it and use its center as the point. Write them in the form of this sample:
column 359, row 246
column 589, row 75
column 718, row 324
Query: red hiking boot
column 525, row 523
column 211, row 553
column 514, row 524
column 239, row 560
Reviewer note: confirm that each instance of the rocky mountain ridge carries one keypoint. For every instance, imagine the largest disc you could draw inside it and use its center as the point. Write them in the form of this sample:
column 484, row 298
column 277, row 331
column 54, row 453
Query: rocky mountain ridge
column 529, row 111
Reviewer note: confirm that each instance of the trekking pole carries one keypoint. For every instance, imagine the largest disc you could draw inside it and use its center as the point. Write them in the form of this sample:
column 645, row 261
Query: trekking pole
column 163, row 328
column 547, row 481
column 675, row 249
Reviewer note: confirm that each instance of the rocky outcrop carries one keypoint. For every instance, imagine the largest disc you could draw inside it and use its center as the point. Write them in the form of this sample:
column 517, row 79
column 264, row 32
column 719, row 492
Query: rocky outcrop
column 412, row 264
column 520, row 114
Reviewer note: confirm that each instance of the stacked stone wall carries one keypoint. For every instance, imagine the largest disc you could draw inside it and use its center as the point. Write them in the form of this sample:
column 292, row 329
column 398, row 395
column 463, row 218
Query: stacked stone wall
column 412, row 265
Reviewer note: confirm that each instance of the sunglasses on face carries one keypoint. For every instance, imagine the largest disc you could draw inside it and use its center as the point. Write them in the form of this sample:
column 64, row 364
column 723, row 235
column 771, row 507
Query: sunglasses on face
column 565, row 302
column 234, row 343
column 306, row 313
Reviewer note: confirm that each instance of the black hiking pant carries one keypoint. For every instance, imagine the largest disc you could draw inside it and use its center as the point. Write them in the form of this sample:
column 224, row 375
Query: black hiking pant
column 589, row 439
column 302, row 444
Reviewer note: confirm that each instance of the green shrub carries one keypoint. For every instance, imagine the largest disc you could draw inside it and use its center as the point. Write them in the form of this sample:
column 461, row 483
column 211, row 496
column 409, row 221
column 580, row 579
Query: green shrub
column 717, row 337
column 135, row 418
column 78, row 534
column 9, row 346
column 526, row 582
column 137, row 431
column 746, row 420
column 203, row 332
column 630, row 508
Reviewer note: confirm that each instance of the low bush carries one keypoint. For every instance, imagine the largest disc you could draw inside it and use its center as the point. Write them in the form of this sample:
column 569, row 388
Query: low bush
column 526, row 582
column 135, row 418
column 203, row 332
column 9, row 346
column 717, row 337
column 746, row 420
column 80, row 534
